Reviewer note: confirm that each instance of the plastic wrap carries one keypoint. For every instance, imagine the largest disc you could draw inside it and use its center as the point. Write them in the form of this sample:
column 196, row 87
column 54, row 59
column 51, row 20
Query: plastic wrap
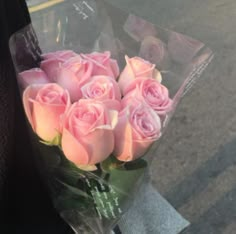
column 93, row 200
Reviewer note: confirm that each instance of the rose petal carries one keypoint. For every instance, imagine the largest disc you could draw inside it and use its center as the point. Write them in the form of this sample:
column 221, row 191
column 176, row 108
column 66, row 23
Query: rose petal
column 46, row 119
column 50, row 67
column 73, row 150
column 68, row 80
column 101, row 144
column 123, row 138
column 157, row 76
column 87, row 167
column 112, row 104
column 32, row 76
column 102, row 64
column 73, row 74
column 115, row 68
column 30, row 93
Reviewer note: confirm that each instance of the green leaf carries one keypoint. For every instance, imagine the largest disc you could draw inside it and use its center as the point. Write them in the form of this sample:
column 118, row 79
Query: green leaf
column 135, row 165
column 111, row 163
column 124, row 179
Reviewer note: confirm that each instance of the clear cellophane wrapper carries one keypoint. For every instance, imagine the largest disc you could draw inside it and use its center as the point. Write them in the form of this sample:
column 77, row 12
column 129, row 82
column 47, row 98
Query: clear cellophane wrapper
column 94, row 201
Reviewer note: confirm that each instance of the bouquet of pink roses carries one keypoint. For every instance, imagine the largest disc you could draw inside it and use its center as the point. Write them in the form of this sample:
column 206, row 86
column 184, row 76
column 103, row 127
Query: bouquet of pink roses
column 74, row 101
column 97, row 117
column 95, row 114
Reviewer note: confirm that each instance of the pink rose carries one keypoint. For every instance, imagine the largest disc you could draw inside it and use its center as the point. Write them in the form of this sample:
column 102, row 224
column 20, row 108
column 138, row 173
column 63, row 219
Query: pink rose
column 52, row 62
column 44, row 106
column 150, row 91
column 105, row 89
column 135, row 67
column 87, row 136
column 137, row 128
column 73, row 74
column 32, row 76
column 102, row 64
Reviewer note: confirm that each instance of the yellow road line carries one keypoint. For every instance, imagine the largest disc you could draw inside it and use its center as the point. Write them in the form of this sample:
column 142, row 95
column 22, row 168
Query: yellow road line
column 44, row 5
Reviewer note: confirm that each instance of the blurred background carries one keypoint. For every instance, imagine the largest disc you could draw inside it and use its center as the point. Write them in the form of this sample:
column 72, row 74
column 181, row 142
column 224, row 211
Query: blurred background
column 195, row 165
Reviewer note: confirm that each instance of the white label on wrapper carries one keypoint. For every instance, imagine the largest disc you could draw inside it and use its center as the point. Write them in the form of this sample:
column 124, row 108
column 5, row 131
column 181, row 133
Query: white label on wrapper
column 83, row 9
column 107, row 202
column 196, row 73
column 31, row 43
